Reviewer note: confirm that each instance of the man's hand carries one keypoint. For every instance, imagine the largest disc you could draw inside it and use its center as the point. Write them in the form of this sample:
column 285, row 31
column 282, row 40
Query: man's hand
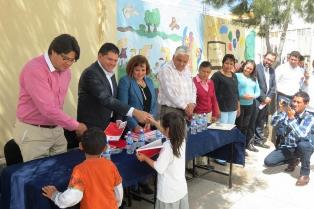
column 267, row 100
column 189, row 109
column 81, row 129
column 290, row 112
column 141, row 116
column 49, row 190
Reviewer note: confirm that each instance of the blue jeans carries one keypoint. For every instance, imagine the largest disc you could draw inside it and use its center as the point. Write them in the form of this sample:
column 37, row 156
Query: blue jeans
column 228, row 117
column 282, row 156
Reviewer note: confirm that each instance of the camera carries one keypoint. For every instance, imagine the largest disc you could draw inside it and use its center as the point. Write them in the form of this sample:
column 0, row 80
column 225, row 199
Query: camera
column 285, row 103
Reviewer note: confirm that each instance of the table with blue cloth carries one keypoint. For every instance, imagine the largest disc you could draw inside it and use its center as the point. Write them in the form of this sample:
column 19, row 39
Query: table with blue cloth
column 21, row 184
column 219, row 144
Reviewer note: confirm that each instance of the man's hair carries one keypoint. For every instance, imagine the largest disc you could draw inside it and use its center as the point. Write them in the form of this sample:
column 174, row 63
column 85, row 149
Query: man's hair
column 271, row 53
column 108, row 47
column 94, row 141
column 135, row 61
column 304, row 95
column 228, row 57
column 182, row 50
column 64, row 43
column 205, row 64
column 302, row 58
column 295, row 54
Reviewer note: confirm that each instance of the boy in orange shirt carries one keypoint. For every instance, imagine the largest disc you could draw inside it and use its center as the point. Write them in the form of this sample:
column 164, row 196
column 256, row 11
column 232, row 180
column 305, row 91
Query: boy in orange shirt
column 95, row 183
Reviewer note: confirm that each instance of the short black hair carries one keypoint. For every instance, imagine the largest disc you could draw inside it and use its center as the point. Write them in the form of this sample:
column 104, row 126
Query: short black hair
column 228, row 57
column 65, row 43
column 108, row 47
column 304, row 95
column 295, row 54
column 94, row 141
column 205, row 64
column 302, row 58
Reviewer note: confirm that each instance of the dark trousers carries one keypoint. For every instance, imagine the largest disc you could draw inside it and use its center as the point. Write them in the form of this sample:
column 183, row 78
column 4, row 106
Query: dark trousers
column 282, row 156
column 243, row 121
column 261, row 115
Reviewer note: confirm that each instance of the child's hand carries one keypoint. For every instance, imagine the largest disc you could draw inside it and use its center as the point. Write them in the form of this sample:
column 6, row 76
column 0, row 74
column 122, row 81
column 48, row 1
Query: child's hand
column 49, row 190
column 140, row 157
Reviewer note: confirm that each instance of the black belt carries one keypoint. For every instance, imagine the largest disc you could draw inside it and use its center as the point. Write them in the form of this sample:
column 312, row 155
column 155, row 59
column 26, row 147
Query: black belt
column 172, row 107
column 43, row 126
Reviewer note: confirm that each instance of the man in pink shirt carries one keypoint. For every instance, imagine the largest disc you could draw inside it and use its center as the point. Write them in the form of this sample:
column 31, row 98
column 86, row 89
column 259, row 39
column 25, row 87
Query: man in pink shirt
column 44, row 82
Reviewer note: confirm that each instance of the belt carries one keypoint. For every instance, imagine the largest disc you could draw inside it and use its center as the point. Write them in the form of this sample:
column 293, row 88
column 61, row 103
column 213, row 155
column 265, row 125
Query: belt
column 43, row 126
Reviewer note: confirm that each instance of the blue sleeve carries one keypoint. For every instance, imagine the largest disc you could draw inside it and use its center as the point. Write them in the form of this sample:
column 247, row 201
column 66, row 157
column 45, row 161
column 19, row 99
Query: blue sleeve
column 154, row 97
column 303, row 129
column 123, row 96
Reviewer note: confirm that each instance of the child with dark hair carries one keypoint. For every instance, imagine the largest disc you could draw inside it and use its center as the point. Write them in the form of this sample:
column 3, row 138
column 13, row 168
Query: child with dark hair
column 172, row 190
column 95, row 183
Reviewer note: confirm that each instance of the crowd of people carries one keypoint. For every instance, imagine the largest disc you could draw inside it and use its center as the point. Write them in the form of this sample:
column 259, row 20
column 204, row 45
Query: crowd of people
column 238, row 95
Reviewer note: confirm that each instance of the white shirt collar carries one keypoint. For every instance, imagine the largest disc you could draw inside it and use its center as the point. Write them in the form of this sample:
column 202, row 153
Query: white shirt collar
column 49, row 63
column 108, row 74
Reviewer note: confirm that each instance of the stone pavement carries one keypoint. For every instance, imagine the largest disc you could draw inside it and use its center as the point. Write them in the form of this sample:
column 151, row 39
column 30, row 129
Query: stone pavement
column 254, row 187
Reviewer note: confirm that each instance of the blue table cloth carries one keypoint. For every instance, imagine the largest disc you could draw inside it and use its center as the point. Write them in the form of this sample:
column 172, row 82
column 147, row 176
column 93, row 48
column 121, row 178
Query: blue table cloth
column 21, row 184
column 218, row 144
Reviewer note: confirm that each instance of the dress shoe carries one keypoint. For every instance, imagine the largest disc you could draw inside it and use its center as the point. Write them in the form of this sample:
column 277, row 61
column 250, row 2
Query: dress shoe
column 302, row 181
column 262, row 145
column 252, row 148
column 291, row 166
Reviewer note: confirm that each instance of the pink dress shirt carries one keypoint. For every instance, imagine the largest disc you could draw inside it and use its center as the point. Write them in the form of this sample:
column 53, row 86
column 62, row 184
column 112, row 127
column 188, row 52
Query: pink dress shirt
column 42, row 93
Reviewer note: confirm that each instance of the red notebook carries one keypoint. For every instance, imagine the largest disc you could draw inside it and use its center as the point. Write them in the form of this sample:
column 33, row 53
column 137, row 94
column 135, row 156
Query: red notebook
column 114, row 132
column 151, row 149
column 118, row 144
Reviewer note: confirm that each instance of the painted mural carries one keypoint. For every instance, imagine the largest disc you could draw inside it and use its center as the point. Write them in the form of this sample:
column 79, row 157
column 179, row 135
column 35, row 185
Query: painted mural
column 222, row 37
column 154, row 30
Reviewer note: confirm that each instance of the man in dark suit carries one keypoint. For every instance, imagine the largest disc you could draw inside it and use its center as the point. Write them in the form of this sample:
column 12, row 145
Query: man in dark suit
column 97, row 92
column 267, row 84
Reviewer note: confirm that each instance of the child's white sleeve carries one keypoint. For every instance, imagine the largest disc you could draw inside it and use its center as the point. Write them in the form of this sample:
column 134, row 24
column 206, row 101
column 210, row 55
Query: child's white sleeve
column 68, row 198
column 164, row 158
column 118, row 191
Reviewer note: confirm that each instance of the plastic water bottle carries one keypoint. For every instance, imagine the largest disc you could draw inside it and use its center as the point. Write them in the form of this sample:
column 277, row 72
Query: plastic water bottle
column 193, row 126
column 141, row 140
column 158, row 135
column 199, row 124
column 129, row 143
column 107, row 153
column 204, row 121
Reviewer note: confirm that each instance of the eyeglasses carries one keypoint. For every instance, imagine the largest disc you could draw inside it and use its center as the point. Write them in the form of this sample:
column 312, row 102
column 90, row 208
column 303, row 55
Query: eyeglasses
column 67, row 59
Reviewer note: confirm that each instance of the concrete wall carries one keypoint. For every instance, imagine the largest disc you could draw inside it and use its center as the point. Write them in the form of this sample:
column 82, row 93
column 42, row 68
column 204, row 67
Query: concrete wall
column 26, row 30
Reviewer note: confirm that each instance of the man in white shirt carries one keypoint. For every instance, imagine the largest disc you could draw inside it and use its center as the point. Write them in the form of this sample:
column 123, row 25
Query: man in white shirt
column 289, row 77
column 177, row 92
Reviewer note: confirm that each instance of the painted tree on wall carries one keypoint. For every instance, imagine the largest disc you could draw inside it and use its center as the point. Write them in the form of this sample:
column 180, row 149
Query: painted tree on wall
column 152, row 18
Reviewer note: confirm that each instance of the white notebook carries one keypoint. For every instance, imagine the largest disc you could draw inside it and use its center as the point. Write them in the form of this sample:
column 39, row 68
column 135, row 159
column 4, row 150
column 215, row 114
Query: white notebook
column 221, row 126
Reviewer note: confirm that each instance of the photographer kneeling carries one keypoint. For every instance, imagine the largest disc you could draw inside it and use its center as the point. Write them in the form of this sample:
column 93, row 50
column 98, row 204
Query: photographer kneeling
column 294, row 128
